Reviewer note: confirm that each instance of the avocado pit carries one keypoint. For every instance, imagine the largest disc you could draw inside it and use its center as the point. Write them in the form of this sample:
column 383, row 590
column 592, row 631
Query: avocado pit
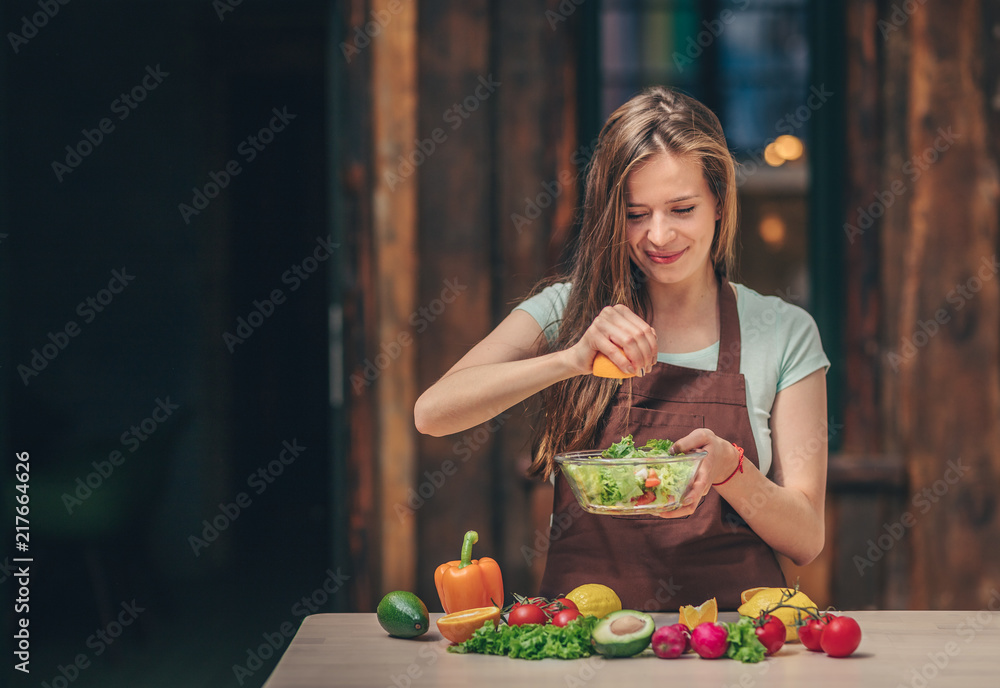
column 626, row 625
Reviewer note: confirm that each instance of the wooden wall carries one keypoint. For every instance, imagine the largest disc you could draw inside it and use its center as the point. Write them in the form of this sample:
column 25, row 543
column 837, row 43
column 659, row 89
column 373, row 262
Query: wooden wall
column 440, row 260
column 430, row 189
column 922, row 309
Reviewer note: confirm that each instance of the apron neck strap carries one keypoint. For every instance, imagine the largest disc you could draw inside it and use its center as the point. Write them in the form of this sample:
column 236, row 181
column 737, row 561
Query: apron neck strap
column 729, row 330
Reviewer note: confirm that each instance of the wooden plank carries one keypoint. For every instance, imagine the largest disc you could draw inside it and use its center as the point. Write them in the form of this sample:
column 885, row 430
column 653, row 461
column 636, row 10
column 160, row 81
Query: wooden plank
column 536, row 189
column 394, row 224
column 862, row 432
column 359, row 306
column 866, row 472
column 949, row 312
column 457, row 98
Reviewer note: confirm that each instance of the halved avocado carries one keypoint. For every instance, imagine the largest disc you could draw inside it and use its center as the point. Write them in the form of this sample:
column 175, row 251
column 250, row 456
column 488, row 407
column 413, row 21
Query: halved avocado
column 623, row 633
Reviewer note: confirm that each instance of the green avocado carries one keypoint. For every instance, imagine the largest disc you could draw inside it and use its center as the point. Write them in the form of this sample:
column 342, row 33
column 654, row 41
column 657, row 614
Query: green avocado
column 403, row 615
column 623, row 633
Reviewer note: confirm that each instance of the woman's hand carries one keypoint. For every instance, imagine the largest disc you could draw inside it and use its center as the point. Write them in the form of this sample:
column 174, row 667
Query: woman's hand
column 622, row 336
column 721, row 460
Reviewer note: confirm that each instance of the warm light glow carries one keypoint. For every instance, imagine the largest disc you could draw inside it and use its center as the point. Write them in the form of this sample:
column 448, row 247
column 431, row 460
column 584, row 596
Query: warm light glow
column 788, row 147
column 772, row 157
column 772, row 230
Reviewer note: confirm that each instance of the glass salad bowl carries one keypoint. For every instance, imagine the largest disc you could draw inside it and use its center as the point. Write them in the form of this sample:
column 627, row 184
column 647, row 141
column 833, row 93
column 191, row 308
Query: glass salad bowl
column 646, row 485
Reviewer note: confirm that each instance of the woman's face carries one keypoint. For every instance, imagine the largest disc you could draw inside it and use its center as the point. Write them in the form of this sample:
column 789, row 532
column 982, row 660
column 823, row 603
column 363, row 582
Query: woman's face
column 671, row 219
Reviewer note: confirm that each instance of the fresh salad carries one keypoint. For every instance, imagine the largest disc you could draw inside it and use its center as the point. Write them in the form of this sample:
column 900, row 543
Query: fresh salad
column 627, row 485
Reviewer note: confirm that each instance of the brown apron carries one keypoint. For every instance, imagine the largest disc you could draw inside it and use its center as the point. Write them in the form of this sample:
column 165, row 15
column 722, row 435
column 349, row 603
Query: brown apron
column 657, row 564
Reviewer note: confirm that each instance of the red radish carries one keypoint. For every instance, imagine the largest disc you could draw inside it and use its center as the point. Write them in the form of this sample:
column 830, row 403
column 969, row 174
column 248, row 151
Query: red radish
column 670, row 642
column 709, row 640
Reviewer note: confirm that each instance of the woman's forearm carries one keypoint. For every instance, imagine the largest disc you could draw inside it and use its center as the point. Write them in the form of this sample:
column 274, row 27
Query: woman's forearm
column 470, row 396
column 784, row 517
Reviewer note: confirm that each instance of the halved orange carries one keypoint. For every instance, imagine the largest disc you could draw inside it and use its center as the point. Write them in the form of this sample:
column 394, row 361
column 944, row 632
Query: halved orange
column 706, row 612
column 459, row 626
column 604, row 367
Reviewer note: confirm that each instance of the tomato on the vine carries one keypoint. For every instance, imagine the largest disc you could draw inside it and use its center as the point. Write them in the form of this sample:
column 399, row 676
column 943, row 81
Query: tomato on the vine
column 522, row 614
column 841, row 636
column 771, row 634
column 561, row 618
column 558, row 604
column 812, row 632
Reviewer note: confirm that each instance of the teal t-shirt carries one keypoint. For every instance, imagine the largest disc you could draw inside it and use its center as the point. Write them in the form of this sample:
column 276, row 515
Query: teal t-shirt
column 780, row 346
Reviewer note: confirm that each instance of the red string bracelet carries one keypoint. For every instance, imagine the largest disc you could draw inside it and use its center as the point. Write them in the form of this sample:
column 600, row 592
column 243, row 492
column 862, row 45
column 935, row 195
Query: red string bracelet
column 738, row 469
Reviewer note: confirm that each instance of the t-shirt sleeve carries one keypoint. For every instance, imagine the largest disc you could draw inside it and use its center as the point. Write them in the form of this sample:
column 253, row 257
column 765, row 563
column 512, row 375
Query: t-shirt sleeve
column 803, row 351
column 547, row 307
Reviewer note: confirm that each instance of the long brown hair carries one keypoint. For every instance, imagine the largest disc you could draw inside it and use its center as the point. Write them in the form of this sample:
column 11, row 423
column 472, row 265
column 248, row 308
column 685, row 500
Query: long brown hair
column 658, row 120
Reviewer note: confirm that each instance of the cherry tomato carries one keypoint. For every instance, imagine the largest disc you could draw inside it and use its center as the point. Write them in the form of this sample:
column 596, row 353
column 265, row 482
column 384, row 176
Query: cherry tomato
column 812, row 632
column 526, row 614
column 645, row 498
column 841, row 637
column 771, row 634
column 558, row 604
column 565, row 616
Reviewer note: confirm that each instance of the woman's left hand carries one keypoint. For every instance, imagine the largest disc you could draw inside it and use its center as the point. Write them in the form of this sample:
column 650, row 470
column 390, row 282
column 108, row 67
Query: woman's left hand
column 722, row 458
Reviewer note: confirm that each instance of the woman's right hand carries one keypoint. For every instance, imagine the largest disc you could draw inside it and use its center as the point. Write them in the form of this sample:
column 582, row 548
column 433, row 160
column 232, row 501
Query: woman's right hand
column 622, row 336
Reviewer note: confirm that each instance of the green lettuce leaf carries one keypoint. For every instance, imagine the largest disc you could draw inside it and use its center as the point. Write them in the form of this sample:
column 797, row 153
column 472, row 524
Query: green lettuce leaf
column 657, row 448
column 532, row 641
column 743, row 642
column 623, row 449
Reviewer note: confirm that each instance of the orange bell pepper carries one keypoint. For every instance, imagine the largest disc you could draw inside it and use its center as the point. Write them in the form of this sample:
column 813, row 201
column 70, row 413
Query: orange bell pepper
column 469, row 583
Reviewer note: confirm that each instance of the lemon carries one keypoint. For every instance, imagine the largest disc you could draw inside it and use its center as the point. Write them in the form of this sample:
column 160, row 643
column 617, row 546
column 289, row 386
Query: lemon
column 768, row 598
column 595, row 599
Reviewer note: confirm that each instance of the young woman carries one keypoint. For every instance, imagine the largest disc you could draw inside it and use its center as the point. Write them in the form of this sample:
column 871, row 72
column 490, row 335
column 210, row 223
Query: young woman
column 721, row 369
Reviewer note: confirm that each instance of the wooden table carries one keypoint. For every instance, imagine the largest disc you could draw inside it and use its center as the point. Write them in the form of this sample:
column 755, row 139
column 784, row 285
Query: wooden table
column 915, row 649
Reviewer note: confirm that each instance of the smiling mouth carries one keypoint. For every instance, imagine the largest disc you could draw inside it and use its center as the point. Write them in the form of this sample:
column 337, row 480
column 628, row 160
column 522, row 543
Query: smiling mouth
column 665, row 258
